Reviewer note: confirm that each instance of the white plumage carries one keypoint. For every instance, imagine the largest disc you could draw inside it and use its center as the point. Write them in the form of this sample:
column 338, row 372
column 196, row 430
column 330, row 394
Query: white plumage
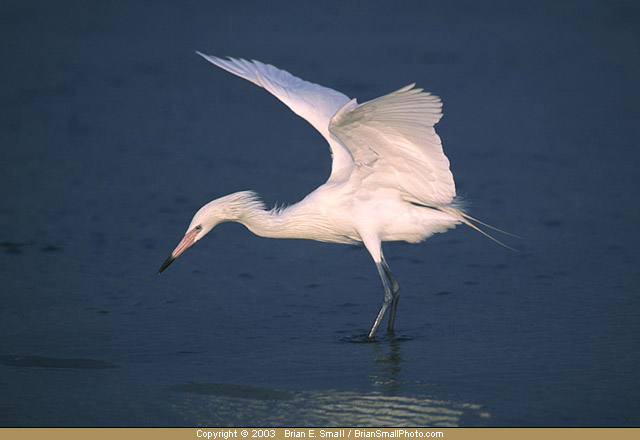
column 390, row 179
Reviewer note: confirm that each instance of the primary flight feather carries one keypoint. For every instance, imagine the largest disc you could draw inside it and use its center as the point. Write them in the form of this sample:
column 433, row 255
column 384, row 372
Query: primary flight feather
column 389, row 181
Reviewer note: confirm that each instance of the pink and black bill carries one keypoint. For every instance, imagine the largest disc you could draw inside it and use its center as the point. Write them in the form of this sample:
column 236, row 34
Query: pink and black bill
column 188, row 239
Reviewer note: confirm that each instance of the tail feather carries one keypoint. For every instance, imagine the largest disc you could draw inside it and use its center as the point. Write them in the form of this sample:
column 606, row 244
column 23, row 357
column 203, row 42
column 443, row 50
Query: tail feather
column 467, row 220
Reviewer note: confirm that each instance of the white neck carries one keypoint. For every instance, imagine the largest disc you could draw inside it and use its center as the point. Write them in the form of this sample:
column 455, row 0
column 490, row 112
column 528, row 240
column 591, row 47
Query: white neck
column 292, row 222
column 301, row 220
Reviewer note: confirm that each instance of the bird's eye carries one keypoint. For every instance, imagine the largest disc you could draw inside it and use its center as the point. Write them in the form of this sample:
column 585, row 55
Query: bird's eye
column 199, row 227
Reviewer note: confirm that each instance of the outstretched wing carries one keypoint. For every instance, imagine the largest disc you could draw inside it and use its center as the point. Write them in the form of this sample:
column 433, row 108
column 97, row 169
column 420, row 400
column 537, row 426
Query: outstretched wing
column 394, row 145
column 315, row 103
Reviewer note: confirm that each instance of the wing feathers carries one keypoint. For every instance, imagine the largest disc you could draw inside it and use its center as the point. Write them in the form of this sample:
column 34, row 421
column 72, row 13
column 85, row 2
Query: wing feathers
column 386, row 142
column 314, row 103
column 392, row 137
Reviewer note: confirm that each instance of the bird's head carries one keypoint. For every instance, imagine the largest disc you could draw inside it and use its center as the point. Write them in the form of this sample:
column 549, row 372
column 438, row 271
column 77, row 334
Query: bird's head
column 201, row 224
column 228, row 208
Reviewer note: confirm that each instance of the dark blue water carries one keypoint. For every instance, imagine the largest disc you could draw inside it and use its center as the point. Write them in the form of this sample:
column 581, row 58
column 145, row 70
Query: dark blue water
column 113, row 132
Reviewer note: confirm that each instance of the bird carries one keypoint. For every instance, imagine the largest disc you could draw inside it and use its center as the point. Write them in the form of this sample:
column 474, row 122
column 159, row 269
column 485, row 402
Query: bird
column 390, row 179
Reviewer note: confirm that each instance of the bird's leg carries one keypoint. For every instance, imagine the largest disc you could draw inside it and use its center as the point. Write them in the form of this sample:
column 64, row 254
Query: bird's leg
column 395, row 292
column 391, row 290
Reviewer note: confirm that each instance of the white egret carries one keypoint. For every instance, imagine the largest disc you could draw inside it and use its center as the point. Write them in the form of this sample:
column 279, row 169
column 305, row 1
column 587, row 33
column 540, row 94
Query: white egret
column 390, row 179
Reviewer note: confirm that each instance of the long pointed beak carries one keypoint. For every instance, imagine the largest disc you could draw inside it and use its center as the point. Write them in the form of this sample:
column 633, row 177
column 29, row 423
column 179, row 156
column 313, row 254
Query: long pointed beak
column 188, row 239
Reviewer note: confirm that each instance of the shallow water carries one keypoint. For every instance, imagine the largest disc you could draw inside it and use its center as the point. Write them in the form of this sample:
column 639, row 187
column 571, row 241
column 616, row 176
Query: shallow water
column 114, row 133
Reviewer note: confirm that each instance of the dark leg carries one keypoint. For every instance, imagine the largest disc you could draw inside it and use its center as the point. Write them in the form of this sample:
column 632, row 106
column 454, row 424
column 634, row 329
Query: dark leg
column 395, row 291
column 390, row 298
